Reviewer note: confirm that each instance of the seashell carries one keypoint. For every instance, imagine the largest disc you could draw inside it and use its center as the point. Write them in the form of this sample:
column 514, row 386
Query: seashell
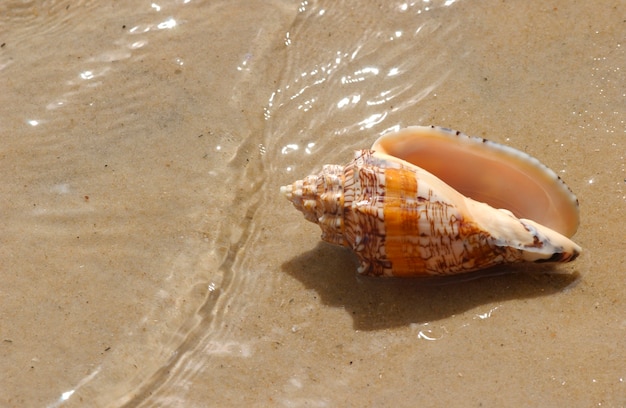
column 423, row 202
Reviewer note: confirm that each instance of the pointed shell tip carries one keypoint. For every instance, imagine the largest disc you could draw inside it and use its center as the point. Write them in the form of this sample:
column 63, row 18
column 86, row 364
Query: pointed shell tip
column 286, row 191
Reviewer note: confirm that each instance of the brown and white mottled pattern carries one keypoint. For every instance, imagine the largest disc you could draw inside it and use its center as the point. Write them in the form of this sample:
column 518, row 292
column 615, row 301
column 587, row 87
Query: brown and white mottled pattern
column 401, row 220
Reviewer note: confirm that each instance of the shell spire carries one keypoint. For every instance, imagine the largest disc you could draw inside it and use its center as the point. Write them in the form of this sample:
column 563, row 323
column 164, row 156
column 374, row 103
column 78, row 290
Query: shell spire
column 321, row 199
column 402, row 220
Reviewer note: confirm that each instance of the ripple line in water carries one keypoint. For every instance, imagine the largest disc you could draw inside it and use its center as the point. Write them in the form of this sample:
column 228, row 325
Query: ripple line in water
column 360, row 87
column 198, row 331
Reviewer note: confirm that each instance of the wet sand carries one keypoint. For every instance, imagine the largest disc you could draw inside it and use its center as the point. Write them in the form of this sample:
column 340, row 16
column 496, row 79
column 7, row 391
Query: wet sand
column 148, row 258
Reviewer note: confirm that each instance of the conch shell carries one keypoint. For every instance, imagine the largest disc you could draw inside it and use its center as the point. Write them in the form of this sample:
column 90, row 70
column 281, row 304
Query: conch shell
column 404, row 206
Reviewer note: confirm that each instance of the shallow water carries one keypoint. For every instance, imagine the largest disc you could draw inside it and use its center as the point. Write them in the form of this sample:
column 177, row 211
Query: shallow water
column 149, row 260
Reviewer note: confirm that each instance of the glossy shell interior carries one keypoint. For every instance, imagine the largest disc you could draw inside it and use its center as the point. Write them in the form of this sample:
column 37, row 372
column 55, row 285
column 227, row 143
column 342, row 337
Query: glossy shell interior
column 489, row 172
